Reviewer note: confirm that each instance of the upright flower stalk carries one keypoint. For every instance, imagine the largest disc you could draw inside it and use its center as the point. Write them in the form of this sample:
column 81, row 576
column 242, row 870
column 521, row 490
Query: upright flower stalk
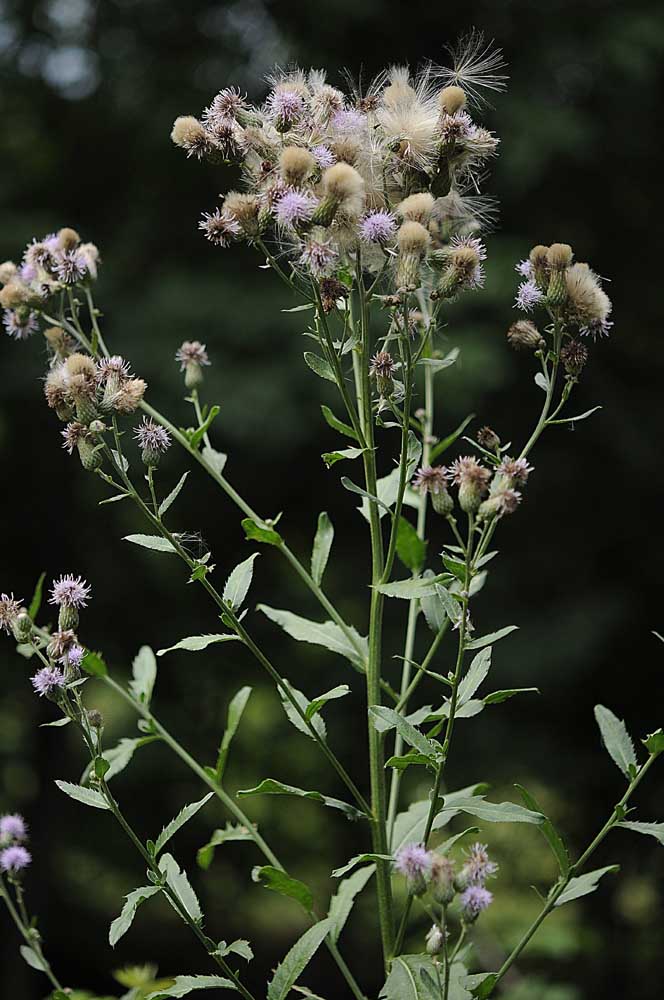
column 359, row 202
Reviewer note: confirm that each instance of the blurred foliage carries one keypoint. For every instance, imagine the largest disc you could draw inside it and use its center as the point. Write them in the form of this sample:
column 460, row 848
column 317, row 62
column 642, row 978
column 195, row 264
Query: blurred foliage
column 88, row 92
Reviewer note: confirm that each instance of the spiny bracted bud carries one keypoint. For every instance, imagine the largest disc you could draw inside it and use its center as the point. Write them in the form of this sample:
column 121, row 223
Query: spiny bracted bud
column 192, row 356
column 588, row 305
column 416, row 208
column 65, row 638
column 574, row 356
column 474, row 901
column 524, row 335
column 346, row 150
column 10, row 609
column 463, row 267
column 383, row 368
column 538, row 258
column 472, row 478
column 413, row 242
column 442, row 879
column 95, row 718
column 451, row 99
column 56, row 392
column 190, row 135
column 80, row 374
column 487, row 438
column 295, row 165
column 503, row 501
column 435, row 940
column 89, row 453
column 343, row 189
column 434, row 480
column 22, row 626
column 559, row 258
column 153, row 440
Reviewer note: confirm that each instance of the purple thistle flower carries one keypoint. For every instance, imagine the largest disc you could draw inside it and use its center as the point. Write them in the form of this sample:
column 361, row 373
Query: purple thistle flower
column 112, row 367
column 70, row 592
column 192, row 352
column 468, row 470
column 524, row 268
column 473, row 901
column 378, row 227
column 9, row 611
column 348, row 120
column 27, row 272
column 19, row 325
column 12, row 827
column 479, row 867
column 294, row 207
column 414, row 861
column 516, row 469
column 457, row 127
column 431, row 479
column 71, row 266
column 596, row 328
column 286, row 105
column 323, row 156
column 318, row 256
column 219, row 227
column 61, row 642
column 74, row 657
column 47, row 680
column 14, row 858
column 72, row 434
column 152, row 437
column 528, row 295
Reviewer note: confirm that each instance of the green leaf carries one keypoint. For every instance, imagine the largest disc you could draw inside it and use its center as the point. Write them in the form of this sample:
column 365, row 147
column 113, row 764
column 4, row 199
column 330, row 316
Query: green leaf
column 231, row 832
column 194, row 643
column 200, row 432
column 215, row 459
column 385, row 718
column 319, row 366
column 303, row 308
column 475, row 676
column 179, row 883
column 438, row 364
column 414, row 977
column 184, row 985
column 574, row 420
column 255, row 533
column 326, row 634
column 119, row 756
column 411, row 549
column 496, row 812
column 144, row 671
column 654, row 743
column 410, row 589
column 175, row 824
column 30, row 956
column 294, row 717
column 450, row 439
column 155, row 542
column 133, row 900
column 322, row 546
column 239, row 581
column 317, row 703
column 617, row 740
column 35, row 603
column 235, row 710
column 93, row 664
column 85, row 795
column 409, row 825
column 352, row 487
column 280, row 881
column 114, row 499
column 488, row 640
column 296, row 961
column 497, row 697
column 172, row 496
column 239, row 947
column 56, row 724
column 332, row 457
column 358, row 860
column 403, row 761
column 343, row 900
column 269, row 786
column 584, row 884
column 388, row 486
column 481, row 984
column 541, row 381
column 337, row 424
column 548, row 831
column 655, row 830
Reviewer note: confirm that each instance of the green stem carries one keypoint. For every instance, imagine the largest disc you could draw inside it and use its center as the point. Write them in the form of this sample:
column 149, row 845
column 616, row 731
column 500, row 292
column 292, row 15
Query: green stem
column 28, row 935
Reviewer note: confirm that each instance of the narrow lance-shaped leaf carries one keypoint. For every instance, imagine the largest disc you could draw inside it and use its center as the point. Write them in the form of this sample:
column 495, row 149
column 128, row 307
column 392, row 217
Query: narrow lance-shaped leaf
column 336, row 424
column 184, row 985
column 581, row 885
column 181, row 886
column 385, row 718
column 411, row 549
column 182, row 817
column 172, row 496
column 497, row 812
column 133, row 900
column 280, row 881
column 655, row 830
column 35, row 603
column 319, row 366
column 548, row 831
column 322, row 546
column 259, row 533
column 296, row 961
column 269, row 786
column 238, row 582
column 295, row 718
column 358, row 860
column 476, row 674
column 87, row 796
column 332, row 457
column 316, row 704
column 155, row 542
column 235, row 710
column 488, row 640
column 231, row 832
column 327, row 634
column 343, row 900
column 617, row 740
column 30, row 956
column 195, row 643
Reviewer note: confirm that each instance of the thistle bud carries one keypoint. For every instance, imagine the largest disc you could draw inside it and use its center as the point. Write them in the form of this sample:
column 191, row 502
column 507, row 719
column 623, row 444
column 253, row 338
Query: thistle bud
column 524, row 335
column 416, row 208
column 501, row 502
column 192, row 356
column 295, row 165
column 246, row 211
column 539, row 262
column 435, row 940
column 382, row 368
column 413, row 241
column 343, row 188
column 414, row 862
column 95, row 718
column 89, row 453
column 574, row 356
column 153, row 440
column 22, row 626
column 58, row 341
column 442, row 880
column 15, row 294
column 487, row 438
column 472, row 479
column 558, row 258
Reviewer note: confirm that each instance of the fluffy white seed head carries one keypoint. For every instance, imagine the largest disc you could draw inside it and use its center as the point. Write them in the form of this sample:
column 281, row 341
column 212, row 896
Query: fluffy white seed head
column 343, row 183
column 451, row 99
column 413, row 238
column 295, row 164
column 417, row 207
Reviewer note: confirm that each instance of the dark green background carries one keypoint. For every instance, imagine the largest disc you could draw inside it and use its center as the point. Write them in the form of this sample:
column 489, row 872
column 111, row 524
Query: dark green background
column 88, row 93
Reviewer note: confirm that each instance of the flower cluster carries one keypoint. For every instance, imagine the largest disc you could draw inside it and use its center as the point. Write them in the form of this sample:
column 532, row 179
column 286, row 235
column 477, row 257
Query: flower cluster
column 386, row 172
column 481, row 491
column 14, row 856
column 433, row 873
column 568, row 289
column 55, row 263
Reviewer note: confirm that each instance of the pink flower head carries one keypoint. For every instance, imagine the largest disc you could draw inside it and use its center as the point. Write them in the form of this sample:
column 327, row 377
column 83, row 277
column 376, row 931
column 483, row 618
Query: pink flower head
column 479, row 867
column 294, row 207
column 431, row 479
column 47, row 680
column 219, row 227
column 70, row 592
column 516, row 470
column 378, row 227
column 468, row 471
column 9, row 611
column 473, row 901
column 528, row 296
column 12, row 827
column 14, row 858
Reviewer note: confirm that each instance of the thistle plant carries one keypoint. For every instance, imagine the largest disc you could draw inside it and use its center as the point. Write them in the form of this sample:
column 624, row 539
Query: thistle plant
column 368, row 206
